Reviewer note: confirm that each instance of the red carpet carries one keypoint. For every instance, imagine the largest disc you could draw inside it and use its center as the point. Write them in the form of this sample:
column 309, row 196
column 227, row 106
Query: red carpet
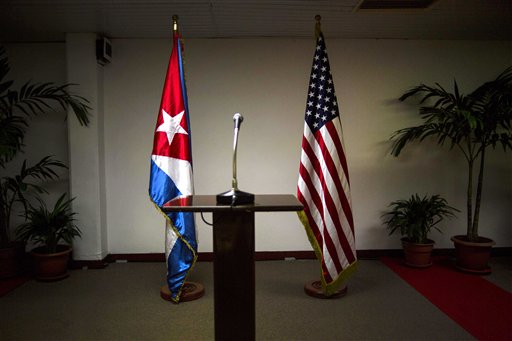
column 477, row 305
column 6, row 285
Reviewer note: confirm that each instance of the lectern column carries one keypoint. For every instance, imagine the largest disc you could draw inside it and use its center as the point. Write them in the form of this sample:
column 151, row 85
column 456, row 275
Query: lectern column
column 234, row 275
column 233, row 246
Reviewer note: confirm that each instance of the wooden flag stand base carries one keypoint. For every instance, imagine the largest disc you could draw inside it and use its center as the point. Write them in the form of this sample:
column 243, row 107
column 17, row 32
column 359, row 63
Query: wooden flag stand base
column 190, row 291
column 314, row 289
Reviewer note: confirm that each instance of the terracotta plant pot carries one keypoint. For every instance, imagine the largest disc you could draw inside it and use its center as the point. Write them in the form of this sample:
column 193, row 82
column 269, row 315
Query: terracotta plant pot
column 11, row 260
column 51, row 266
column 418, row 255
column 473, row 257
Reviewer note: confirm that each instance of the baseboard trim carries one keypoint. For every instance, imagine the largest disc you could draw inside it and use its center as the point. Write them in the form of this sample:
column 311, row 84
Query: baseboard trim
column 263, row 256
column 89, row 264
column 137, row 257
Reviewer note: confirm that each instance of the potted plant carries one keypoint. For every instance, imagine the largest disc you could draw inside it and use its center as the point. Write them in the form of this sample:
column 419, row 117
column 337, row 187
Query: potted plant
column 471, row 124
column 16, row 109
column 414, row 218
column 14, row 190
column 48, row 229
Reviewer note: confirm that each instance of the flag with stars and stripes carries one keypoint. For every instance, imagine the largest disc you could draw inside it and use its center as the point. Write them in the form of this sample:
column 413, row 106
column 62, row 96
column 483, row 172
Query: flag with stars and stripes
column 171, row 172
column 323, row 186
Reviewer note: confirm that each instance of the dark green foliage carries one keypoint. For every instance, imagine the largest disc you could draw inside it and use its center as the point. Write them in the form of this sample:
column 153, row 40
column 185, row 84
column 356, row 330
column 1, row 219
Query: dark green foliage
column 471, row 123
column 415, row 217
column 17, row 106
column 15, row 188
column 16, row 109
column 48, row 228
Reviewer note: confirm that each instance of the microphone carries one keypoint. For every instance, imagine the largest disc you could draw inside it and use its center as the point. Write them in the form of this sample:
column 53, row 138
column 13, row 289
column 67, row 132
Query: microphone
column 234, row 196
column 238, row 118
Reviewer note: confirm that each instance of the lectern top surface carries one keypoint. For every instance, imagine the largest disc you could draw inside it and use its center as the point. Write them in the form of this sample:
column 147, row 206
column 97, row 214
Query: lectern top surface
column 208, row 203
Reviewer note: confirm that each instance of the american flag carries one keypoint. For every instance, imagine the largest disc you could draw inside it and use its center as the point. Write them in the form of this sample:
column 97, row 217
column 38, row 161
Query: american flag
column 323, row 186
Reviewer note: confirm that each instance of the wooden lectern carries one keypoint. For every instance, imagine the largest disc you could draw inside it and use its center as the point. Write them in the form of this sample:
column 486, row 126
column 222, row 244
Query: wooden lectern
column 233, row 265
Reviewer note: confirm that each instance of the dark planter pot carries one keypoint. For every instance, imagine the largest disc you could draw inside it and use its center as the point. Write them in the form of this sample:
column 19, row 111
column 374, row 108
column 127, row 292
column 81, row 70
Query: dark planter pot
column 11, row 260
column 473, row 257
column 51, row 266
column 418, row 255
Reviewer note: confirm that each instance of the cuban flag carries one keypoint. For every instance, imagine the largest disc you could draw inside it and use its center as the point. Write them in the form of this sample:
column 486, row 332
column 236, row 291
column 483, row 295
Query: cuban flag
column 171, row 172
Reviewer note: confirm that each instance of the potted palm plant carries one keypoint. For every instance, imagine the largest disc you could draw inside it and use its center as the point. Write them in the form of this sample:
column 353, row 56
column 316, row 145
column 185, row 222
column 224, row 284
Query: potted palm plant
column 17, row 106
column 469, row 123
column 414, row 218
column 15, row 190
column 48, row 229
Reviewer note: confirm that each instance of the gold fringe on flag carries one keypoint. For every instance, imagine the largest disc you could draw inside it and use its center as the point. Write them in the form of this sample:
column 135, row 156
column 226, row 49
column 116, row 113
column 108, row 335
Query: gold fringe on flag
column 328, row 288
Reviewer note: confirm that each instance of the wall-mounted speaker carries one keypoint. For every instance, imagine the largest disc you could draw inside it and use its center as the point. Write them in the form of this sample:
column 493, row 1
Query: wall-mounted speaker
column 103, row 50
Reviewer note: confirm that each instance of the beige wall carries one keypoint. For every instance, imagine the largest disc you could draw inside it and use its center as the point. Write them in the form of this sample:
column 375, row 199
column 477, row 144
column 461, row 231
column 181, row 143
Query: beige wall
column 266, row 81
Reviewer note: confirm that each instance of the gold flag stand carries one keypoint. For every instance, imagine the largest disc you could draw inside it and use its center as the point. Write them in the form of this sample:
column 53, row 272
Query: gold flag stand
column 314, row 289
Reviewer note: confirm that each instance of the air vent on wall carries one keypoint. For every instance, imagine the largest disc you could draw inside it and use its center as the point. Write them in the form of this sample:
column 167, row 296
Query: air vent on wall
column 395, row 4
column 103, row 50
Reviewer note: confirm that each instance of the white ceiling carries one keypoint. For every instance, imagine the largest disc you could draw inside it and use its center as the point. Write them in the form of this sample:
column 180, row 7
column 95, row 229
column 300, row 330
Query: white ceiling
column 47, row 20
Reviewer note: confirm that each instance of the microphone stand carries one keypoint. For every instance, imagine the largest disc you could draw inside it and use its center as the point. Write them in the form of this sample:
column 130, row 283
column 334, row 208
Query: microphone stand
column 234, row 196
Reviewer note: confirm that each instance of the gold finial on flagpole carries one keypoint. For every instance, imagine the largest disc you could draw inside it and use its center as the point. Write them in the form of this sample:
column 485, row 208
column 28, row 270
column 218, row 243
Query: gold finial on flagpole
column 318, row 29
column 175, row 23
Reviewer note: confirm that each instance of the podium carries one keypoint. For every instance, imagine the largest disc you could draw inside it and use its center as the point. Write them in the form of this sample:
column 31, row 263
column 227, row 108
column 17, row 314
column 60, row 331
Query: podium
column 233, row 264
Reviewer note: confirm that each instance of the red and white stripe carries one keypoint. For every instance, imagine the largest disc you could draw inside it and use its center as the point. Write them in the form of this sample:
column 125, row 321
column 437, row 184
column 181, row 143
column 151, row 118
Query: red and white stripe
column 324, row 190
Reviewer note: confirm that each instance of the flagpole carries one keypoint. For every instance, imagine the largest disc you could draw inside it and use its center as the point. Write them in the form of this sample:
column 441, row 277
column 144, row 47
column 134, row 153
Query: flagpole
column 321, row 288
column 318, row 29
column 189, row 290
column 175, row 23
